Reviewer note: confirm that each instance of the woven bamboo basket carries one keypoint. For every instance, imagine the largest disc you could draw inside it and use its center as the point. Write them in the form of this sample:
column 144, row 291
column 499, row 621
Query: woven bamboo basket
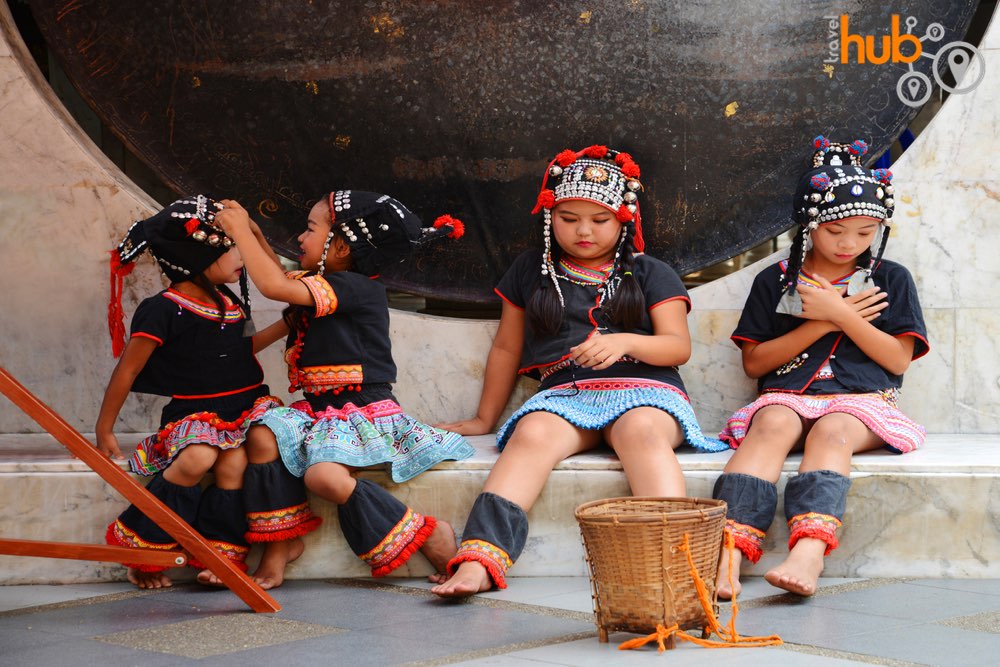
column 639, row 575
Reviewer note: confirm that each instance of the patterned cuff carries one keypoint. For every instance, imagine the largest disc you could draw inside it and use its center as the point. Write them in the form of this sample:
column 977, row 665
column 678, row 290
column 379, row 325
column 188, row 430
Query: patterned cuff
column 747, row 539
column 234, row 553
column 819, row 526
column 402, row 542
column 322, row 294
column 282, row 524
column 120, row 536
column 493, row 558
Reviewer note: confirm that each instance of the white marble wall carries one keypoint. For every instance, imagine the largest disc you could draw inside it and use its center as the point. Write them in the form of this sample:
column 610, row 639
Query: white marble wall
column 63, row 206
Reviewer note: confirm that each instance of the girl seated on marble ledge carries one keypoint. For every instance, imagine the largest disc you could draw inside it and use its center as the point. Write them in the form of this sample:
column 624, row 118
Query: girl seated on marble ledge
column 604, row 327
column 828, row 334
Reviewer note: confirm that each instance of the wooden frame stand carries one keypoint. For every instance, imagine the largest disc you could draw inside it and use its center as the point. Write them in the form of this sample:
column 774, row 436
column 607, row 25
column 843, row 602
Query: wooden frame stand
column 238, row 582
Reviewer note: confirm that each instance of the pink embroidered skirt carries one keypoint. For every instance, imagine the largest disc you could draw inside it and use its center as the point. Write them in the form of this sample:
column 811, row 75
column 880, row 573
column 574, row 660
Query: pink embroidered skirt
column 877, row 411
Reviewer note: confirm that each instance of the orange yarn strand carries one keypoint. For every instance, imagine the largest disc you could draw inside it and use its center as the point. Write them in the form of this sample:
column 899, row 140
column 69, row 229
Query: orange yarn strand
column 728, row 636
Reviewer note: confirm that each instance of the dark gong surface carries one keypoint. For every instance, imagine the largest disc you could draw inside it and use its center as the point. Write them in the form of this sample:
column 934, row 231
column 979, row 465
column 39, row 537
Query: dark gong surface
column 458, row 106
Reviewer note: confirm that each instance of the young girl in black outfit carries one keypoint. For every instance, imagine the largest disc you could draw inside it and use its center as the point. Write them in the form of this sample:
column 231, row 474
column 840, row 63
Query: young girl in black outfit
column 828, row 333
column 193, row 342
column 339, row 356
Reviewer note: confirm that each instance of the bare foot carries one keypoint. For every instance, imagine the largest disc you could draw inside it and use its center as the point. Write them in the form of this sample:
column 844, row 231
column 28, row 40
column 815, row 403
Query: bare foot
column 271, row 571
column 440, row 548
column 470, row 578
column 206, row 578
column 723, row 589
column 800, row 571
column 148, row 579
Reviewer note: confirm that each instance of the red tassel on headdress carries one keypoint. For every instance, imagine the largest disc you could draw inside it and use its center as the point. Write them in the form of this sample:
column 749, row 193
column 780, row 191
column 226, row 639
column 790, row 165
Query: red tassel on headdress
column 623, row 214
column 546, row 199
column 596, row 151
column 457, row 226
column 622, row 158
column 566, row 158
column 638, row 242
column 630, row 169
column 116, row 315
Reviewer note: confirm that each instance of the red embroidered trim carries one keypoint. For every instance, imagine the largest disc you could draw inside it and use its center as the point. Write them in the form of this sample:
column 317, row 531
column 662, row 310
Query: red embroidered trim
column 818, row 526
column 234, row 553
column 494, row 568
column 418, row 541
column 118, row 535
column 210, row 418
column 747, row 539
column 282, row 524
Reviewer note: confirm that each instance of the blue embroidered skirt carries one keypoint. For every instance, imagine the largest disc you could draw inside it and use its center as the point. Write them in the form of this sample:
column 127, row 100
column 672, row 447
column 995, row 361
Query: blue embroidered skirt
column 359, row 437
column 595, row 404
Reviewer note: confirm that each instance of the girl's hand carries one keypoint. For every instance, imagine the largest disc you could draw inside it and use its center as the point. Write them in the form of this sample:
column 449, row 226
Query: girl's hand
column 599, row 352
column 233, row 217
column 474, row 426
column 869, row 304
column 107, row 444
column 825, row 302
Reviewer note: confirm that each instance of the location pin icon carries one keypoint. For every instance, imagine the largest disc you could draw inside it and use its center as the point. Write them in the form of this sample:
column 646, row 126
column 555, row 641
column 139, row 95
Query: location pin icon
column 958, row 63
column 914, row 85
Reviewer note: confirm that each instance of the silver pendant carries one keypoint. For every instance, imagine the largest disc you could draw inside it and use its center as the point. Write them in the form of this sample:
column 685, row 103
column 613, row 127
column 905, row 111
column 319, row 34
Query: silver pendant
column 790, row 304
column 857, row 283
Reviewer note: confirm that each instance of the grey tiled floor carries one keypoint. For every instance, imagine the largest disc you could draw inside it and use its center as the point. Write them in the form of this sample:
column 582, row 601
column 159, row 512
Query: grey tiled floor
column 536, row 621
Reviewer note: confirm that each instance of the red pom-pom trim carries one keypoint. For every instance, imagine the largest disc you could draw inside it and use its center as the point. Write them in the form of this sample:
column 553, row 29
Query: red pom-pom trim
column 596, row 151
column 622, row 159
column 546, row 199
column 566, row 158
column 630, row 169
column 457, row 226
column 111, row 537
column 623, row 214
column 496, row 575
column 191, row 225
column 418, row 541
column 304, row 528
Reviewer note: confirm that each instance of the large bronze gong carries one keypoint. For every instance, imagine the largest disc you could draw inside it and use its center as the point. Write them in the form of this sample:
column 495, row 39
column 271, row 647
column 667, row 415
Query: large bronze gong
column 457, row 106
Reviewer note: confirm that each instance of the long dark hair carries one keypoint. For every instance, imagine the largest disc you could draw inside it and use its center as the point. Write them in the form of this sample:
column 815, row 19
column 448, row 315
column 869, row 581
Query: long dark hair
column 625, row 308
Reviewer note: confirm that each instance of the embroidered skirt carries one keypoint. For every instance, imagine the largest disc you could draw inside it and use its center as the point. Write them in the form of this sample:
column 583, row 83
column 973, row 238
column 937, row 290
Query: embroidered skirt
column 208, row 428
column 359, row 437
column 595, row 404
column 877, row 411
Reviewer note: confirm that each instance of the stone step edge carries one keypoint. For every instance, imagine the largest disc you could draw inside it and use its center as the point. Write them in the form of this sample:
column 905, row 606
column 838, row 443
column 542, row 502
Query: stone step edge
column 977, row 454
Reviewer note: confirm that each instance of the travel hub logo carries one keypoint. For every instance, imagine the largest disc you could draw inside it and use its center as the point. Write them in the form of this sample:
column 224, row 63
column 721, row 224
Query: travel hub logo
column 965, row 63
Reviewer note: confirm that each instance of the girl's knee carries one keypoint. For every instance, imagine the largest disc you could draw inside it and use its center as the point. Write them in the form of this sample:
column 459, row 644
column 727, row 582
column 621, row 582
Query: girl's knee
column 196, row 459
column 776, row 420
column 331, row 481
column 261, row 445
column 229, row 468
column 647, row 426
column 531, row 429
column 837, row 430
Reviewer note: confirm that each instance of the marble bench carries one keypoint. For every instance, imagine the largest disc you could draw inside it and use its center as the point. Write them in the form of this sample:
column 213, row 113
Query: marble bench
column 931, row 513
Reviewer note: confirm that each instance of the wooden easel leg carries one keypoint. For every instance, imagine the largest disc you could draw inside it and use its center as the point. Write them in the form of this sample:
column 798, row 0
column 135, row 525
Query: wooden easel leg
column 238, row 582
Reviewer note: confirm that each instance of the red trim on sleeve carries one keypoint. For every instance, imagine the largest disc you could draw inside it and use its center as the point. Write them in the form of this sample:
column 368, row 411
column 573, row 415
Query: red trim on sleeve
column 143, row 334
column 500, row 294
column 738, row 339
column 927, row 346
column 687, row 301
